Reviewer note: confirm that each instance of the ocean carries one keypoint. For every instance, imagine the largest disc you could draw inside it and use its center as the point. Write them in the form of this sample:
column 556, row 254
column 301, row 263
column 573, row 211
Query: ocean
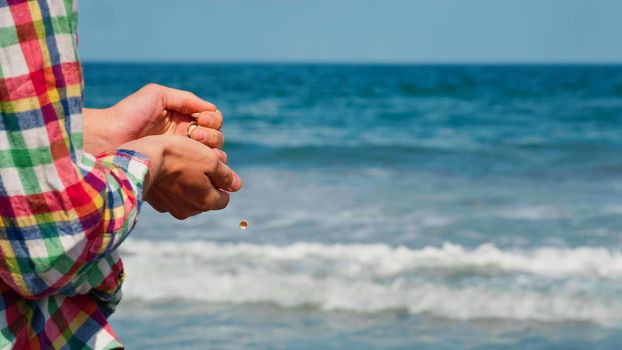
column 389, row 207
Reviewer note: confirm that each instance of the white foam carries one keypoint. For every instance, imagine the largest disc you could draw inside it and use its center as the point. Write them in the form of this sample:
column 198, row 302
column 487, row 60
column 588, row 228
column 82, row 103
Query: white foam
column 369, row 278
column 534, row 213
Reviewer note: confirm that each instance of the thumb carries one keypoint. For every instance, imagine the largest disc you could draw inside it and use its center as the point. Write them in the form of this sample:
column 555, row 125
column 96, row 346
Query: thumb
column 182, row 101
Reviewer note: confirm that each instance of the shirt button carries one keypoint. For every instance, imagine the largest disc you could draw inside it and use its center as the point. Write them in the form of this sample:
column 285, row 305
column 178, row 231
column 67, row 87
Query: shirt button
column 120, row 276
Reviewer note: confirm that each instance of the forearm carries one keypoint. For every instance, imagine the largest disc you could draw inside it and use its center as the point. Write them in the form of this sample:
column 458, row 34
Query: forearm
column 104, row 273
column 73, row 226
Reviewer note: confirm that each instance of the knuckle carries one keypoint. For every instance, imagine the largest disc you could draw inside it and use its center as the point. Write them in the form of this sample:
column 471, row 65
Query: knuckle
column 159, row 209
column 206, row 206
column 179, row 215
column 185, row 98
column 152, row 86
column 225, row 201
column 211, row 162
column 188, row 95
column 212, row 166
column 210, row 200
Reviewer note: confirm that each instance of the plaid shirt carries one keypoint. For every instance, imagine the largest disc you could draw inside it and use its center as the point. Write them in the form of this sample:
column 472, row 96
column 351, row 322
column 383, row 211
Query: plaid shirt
column 62, row 211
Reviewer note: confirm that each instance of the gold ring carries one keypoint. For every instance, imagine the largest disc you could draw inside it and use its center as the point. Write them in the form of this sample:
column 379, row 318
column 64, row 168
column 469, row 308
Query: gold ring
column 193, row 124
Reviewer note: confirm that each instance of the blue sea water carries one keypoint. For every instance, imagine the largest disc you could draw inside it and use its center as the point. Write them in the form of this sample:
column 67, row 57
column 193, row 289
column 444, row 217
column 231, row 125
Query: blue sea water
column 390, row 207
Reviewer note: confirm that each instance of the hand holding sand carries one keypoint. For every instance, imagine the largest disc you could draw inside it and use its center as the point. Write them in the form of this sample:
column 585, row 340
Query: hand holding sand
column 185, row 177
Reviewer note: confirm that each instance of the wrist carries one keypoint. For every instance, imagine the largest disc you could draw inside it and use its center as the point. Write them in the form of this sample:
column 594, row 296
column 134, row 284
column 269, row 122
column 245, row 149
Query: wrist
column 98, row 133
column 153, row 149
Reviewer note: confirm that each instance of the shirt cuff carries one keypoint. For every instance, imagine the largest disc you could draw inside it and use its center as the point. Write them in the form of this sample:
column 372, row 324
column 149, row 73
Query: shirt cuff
column 134, row 164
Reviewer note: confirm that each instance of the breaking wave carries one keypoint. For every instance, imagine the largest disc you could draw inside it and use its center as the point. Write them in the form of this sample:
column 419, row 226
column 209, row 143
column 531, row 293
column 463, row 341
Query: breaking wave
column 544, row 284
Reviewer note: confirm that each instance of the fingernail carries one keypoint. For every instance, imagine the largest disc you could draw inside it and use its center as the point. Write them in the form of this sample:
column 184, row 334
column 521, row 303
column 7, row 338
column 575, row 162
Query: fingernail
column 200, row 134
column 195, row 115
column 236, row 184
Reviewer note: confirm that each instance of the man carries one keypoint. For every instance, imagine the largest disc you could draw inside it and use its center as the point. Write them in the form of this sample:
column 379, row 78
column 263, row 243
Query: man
column 63, row 211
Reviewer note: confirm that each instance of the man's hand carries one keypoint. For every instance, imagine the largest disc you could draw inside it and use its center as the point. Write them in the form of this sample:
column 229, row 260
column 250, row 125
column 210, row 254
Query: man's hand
column 185, row 178
column 152, row 110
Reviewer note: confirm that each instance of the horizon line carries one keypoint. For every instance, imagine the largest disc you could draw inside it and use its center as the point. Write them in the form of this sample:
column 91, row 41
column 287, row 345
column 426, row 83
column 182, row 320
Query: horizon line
column 344, row 62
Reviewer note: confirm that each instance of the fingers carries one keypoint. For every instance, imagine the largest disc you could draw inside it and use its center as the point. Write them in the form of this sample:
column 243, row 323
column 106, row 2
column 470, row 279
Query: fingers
column 208, row 131
column 218, row 201
column 212, row 164
column 224, row 178
column 209, row 137
column 222, row 156
column 192, row 178
column 158, row 206
column 181, row 101
column 209, row 119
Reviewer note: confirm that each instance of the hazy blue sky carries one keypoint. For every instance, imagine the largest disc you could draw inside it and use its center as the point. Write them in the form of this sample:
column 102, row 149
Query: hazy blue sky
column 352, row 30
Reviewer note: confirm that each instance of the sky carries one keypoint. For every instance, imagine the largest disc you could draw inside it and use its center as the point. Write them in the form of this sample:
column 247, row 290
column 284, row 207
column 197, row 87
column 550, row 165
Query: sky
column 392, row 31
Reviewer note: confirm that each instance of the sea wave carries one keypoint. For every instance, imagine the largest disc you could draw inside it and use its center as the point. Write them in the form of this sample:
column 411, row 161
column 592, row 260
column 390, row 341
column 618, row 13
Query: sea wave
column 544, row 284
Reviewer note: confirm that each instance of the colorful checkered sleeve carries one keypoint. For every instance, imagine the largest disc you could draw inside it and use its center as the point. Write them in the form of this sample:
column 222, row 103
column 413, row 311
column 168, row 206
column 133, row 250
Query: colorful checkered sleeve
column 60, row 208
column 62, row 211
